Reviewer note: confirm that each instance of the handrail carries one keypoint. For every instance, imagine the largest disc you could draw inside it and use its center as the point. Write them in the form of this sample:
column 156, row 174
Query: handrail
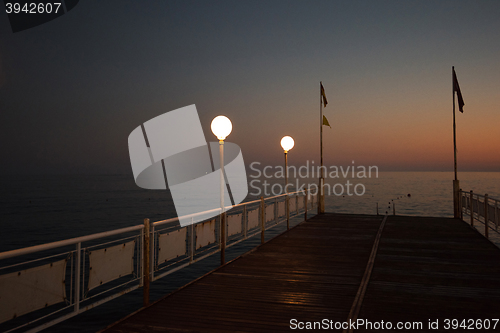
column 282, row 195
column 65, row 242
column 480, row 195
column 173, row 219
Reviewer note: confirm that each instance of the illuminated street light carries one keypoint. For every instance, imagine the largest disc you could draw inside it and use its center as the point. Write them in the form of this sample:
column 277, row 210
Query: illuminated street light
column 221, row 126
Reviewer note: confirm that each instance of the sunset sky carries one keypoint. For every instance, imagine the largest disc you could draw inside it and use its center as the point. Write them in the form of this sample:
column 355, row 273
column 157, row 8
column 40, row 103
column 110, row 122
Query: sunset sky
column 73, row 89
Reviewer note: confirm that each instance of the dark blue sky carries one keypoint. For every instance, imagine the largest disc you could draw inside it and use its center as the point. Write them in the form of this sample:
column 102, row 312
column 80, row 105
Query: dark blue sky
column 73, row 89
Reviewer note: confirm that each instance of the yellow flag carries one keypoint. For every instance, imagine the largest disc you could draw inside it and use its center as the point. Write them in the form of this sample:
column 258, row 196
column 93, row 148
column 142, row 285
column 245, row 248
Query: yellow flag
column 325, row 122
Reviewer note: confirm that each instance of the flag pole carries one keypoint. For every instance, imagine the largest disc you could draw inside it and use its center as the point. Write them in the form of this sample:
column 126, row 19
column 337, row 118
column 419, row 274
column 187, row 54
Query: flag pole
column 321, row 201
column 456, row 185
column 454, row 125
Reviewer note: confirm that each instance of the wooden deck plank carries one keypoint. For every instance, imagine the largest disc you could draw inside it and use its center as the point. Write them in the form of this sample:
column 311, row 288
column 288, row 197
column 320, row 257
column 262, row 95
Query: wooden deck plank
column 425, row 268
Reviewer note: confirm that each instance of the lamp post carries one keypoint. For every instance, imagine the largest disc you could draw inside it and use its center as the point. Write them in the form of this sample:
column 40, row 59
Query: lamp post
column 221, row 126
column 287, row 143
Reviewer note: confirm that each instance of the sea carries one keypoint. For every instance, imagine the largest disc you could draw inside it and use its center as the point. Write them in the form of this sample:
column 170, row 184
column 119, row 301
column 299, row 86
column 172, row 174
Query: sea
column 38, row 209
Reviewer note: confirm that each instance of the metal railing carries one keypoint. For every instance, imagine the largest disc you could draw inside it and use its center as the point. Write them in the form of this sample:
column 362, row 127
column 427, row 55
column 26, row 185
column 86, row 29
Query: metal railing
column 203, row 239
column 481, row 208
column 71, row 276
column 70, row 289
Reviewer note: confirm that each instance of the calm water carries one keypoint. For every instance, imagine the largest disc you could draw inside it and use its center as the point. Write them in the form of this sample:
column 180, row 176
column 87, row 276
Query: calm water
column 431, row 192
column 40, row 209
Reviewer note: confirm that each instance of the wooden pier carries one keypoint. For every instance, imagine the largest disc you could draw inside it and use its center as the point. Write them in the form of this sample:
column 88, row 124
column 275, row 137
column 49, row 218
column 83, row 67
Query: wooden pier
column 340, row 267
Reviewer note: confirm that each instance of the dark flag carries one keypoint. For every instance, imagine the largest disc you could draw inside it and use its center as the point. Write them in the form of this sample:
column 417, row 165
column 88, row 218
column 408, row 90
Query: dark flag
column 456, row 88
column 325, row 102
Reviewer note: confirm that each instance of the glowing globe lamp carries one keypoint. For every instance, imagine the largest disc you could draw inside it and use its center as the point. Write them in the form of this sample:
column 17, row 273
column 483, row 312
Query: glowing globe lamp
column 221, row 127
column 287, row 143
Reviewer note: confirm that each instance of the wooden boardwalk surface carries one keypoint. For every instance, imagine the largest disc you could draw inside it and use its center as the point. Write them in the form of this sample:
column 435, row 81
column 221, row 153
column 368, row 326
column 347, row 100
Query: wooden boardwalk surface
column 423, row 269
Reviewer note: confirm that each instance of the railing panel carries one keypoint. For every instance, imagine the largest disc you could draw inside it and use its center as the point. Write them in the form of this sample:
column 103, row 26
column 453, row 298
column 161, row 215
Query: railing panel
column 234, row 224
column 491, row 213
column 270, row 213
column 110, row 263
column 301, row 203
column 32, row 289
column 253, row 218
column 480, row 208
column 172, row 245
column 281, row 209
column 292, row 205
column 205, row 233
column 475, row 205
column 465, row 201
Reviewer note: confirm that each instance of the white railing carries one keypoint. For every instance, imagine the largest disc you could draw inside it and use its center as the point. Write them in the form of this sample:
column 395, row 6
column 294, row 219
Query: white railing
column 68, row 277
column 244, row 221
column 57, row 278
column 481, row 208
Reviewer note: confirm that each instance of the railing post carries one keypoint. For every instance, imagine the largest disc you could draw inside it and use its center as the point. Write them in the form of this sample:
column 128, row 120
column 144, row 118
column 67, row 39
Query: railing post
column 276, row 210
column 262, row 219
column 71, row 280
column 152, row 252
column 305, row 205
column 223, row 238
column 486, row 215
column 321, row 199
column 82, row 297
column 471, row 208
column 140, row 269
column 297, row 203
column 377, row 208
column 461, row 212
column 287, row 203
column 496, row 215
column 145, row 294
column 245, row 221
column 192, row 241
column 456, row 194
column 77, row 276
